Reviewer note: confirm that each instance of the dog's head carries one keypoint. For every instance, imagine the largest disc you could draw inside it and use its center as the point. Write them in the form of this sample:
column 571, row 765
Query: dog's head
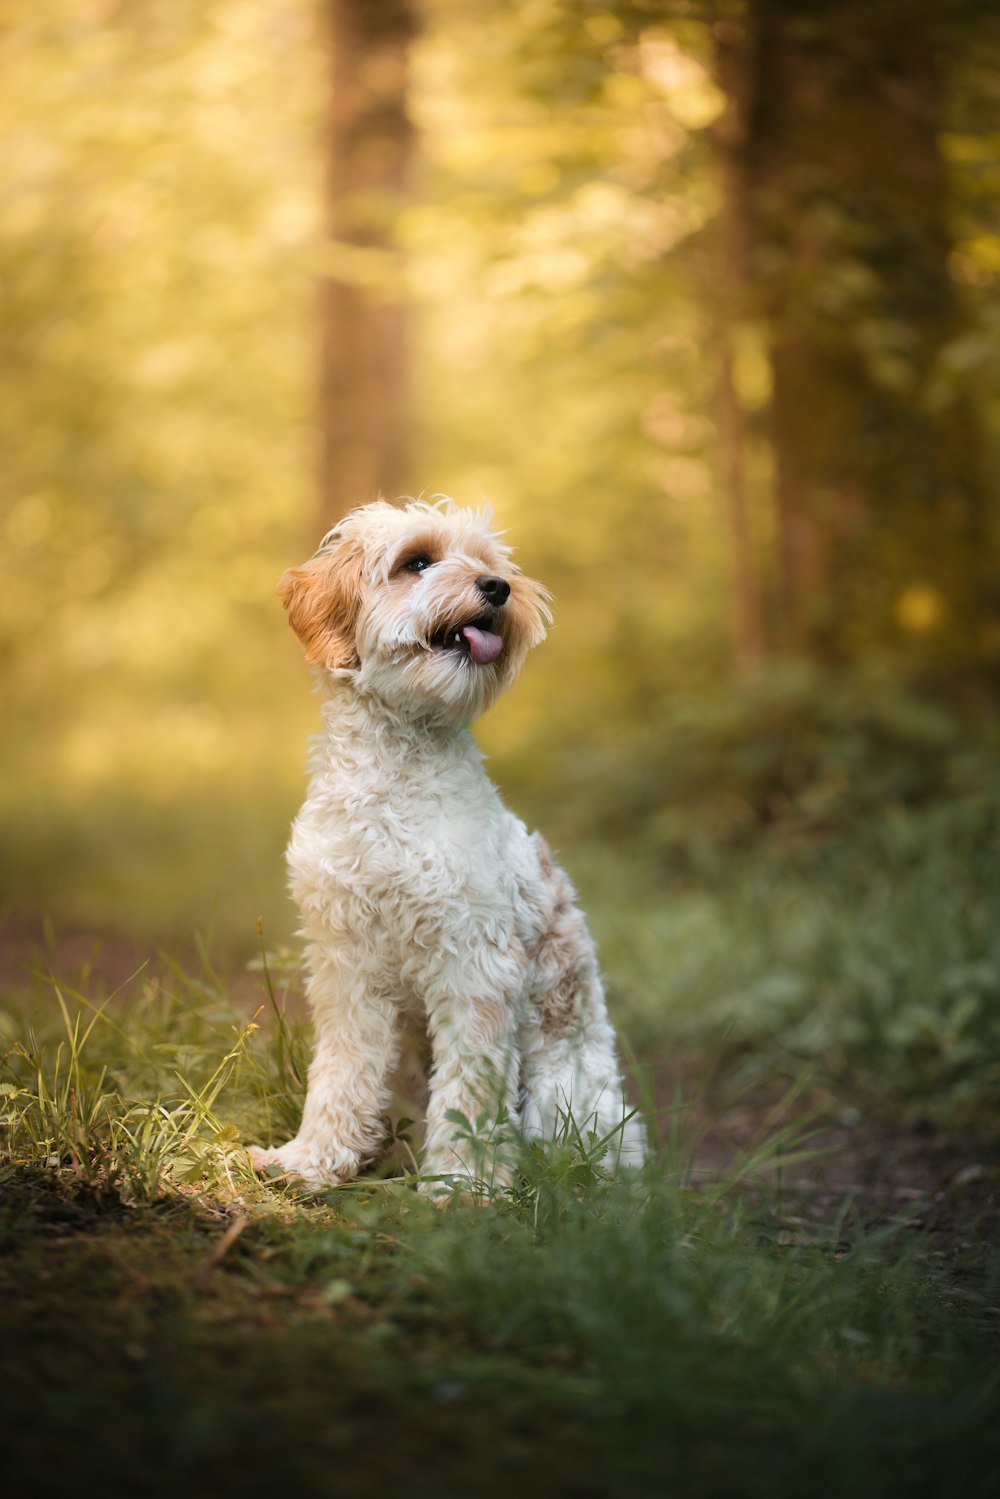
column 420, row 604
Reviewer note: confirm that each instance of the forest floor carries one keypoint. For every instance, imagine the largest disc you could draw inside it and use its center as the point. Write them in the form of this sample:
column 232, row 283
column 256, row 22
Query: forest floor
column 806, row 1301
column 945, row 1181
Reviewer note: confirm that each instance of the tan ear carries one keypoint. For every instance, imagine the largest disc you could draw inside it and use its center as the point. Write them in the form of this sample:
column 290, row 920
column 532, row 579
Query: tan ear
column 323, row 598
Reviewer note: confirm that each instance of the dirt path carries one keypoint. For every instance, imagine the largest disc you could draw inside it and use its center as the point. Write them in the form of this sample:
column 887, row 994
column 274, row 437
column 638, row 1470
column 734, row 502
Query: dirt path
column 861, row 1161
column 102, row 962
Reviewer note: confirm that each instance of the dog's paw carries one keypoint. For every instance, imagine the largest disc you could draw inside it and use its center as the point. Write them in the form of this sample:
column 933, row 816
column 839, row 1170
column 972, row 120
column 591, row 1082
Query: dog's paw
column 291, row 1163
column 266, row 1162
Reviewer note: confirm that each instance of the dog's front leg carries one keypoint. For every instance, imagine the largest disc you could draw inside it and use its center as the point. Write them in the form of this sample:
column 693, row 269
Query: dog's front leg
column 357, row 1048
column 472, row 1113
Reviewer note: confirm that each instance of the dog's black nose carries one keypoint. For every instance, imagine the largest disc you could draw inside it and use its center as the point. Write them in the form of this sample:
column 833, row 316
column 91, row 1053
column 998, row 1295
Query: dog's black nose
column 497, row 590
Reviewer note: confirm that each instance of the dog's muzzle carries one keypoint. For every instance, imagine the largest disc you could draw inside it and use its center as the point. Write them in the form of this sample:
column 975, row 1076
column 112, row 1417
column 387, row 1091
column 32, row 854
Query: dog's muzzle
column 476, row 639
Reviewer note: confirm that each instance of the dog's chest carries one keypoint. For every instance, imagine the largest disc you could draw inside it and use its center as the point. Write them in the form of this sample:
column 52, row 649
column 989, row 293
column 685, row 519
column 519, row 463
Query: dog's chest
column 428, row 851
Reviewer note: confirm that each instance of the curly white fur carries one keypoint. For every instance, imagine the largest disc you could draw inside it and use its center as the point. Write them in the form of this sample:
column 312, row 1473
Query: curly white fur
column 427, row 906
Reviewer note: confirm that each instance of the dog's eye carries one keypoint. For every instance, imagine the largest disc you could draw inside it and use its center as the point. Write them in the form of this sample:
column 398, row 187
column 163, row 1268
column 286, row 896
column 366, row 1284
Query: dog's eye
column 417, row 564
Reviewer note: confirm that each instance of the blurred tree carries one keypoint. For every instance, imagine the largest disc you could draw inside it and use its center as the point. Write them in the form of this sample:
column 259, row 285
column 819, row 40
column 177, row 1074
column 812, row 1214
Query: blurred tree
column 364, row 322
column 747, row 621
column 840, row 196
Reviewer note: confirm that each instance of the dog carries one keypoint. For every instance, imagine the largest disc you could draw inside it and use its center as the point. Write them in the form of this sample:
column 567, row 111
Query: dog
column 427, row 907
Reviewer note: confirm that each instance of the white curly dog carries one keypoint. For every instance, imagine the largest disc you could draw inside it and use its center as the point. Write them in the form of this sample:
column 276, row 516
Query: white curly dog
column 428, row 908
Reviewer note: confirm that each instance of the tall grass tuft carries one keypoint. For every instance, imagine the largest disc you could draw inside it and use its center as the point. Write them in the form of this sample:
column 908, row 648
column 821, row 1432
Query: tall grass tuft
column 124, row 1093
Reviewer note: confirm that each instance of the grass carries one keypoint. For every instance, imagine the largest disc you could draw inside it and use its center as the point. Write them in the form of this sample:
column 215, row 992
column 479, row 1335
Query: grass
column 171, row 1321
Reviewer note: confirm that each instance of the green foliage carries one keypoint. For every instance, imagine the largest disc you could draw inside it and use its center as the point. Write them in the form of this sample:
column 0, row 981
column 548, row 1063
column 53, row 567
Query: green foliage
column 808, row 875
column 883, row 984
column 798, row 760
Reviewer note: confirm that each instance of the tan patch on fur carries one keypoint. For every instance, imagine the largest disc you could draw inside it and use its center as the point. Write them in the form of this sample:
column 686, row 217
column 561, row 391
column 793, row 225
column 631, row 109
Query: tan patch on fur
column 564, row 958
column 323, row 598
column 489, row 1023
column 562, row 1005
column 545, row 858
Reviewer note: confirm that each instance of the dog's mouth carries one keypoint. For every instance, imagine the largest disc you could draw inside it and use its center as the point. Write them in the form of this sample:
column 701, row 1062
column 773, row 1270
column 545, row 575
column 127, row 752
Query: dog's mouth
column 476, row 641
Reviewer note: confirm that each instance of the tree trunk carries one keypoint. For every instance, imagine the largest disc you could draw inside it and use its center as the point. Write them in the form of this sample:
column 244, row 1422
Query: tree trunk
column 748, row 631
column 726, row 293
column 364, row 374
column 879, row 499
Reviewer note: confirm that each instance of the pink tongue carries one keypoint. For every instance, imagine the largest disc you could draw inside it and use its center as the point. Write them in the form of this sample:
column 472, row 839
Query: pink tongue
column 484, row 646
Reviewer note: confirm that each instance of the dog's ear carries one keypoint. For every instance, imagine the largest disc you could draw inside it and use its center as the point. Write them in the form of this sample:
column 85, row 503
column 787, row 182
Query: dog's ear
column 323, row 598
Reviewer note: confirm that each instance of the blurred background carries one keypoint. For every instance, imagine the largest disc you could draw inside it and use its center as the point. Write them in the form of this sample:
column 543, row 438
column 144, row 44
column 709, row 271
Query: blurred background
column 702, row 297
